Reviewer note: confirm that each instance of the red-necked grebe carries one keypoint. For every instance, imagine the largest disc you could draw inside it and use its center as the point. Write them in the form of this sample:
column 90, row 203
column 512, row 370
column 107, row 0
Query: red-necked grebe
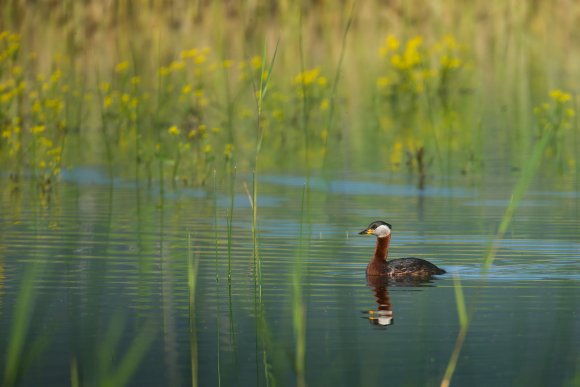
column 397, row 268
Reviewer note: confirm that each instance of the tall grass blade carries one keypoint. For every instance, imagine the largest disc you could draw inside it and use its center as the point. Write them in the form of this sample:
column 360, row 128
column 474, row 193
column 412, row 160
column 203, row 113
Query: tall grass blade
column 334, row 91
column 20, row 327
column 217, row 278
column 298, row 307
column 460, row 301
column 192, row 265
column 522, row 185
column 134, row 355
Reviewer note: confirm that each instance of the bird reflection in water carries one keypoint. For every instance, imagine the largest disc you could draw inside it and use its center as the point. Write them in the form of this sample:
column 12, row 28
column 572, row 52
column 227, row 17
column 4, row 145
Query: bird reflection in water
column 382, row 316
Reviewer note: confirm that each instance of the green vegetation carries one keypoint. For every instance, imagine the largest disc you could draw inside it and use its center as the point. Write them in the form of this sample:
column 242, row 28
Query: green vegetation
column 191, row 94
column 174, row 101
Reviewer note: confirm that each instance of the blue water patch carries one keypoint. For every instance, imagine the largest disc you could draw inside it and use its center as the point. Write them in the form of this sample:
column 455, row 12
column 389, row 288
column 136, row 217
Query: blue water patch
column 351, row 187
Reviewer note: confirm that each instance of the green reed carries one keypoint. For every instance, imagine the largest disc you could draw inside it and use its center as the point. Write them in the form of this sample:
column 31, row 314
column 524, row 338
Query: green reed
column 329, row 126
column 552, row 118
column 192, row 270
column 120, row 373
column 262, row 335
column 217, row 278
column 230, row 219
column 304, row 98
column 19, row 353
column 298, row 306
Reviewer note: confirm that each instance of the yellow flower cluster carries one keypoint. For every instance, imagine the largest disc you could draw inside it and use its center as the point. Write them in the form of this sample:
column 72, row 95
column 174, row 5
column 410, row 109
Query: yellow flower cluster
column 196, row 55
column 411, row 64
column 449, row 52
column 174, row 130
column 228, row 151
column 310, row 77
column 556, row 114
column 9, row 46
column 560, row 96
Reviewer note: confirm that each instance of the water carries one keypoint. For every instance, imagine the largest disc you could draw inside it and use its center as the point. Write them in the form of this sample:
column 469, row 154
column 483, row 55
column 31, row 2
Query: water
column 111, row 263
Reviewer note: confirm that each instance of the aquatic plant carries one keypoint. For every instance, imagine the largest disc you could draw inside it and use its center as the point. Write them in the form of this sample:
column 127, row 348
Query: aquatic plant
column 417, row 100
column 555, row 118
column 552, row 117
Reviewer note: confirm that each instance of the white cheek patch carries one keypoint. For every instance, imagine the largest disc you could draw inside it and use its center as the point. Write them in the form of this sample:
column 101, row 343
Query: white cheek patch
column 382, row 231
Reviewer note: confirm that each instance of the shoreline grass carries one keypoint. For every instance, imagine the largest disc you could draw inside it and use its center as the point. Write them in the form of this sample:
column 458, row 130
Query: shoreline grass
column 427, row 78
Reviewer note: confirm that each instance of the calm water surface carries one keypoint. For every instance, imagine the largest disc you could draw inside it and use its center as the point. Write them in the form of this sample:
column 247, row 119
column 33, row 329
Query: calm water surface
column 109, row 267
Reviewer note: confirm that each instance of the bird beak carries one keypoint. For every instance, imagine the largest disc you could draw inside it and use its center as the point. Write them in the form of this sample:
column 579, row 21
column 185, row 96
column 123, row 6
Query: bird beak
column 366, row 231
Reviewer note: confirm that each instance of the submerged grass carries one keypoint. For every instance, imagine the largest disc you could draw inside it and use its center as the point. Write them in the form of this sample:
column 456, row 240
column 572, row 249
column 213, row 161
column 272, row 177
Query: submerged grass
column 16, row 356
column 127, row 364
column 217, row 278
column 192, row 269
column 298, row 303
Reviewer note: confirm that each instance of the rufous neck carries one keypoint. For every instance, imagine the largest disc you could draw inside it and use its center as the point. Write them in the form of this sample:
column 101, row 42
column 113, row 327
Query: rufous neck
column 382, row 248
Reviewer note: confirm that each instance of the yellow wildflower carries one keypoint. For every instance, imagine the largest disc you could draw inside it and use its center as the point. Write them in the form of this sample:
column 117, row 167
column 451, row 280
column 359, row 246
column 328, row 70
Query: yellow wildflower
column 174, row 130
column 227, row 63
column 228, row 150
column 189, row 53
column 38, row 129
column 200, row 59
column 383, row 82
column 163, row 71
column 6, row 97
column 265, row 74
column 560, row 96
column 392, row 43
column 108, row 101
column 256, row 62
column 448, row 62
column 450, row 42
column 207, row 148
column 46, row 142
column 324, row 104
column 105, row 86
column 121, row 67
column 186, row 89
column 307, row 77
column 396, row 154
column 16, row 71
column 55, row 76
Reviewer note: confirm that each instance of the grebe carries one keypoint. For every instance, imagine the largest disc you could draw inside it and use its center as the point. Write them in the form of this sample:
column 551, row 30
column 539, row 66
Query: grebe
column 396, row 268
